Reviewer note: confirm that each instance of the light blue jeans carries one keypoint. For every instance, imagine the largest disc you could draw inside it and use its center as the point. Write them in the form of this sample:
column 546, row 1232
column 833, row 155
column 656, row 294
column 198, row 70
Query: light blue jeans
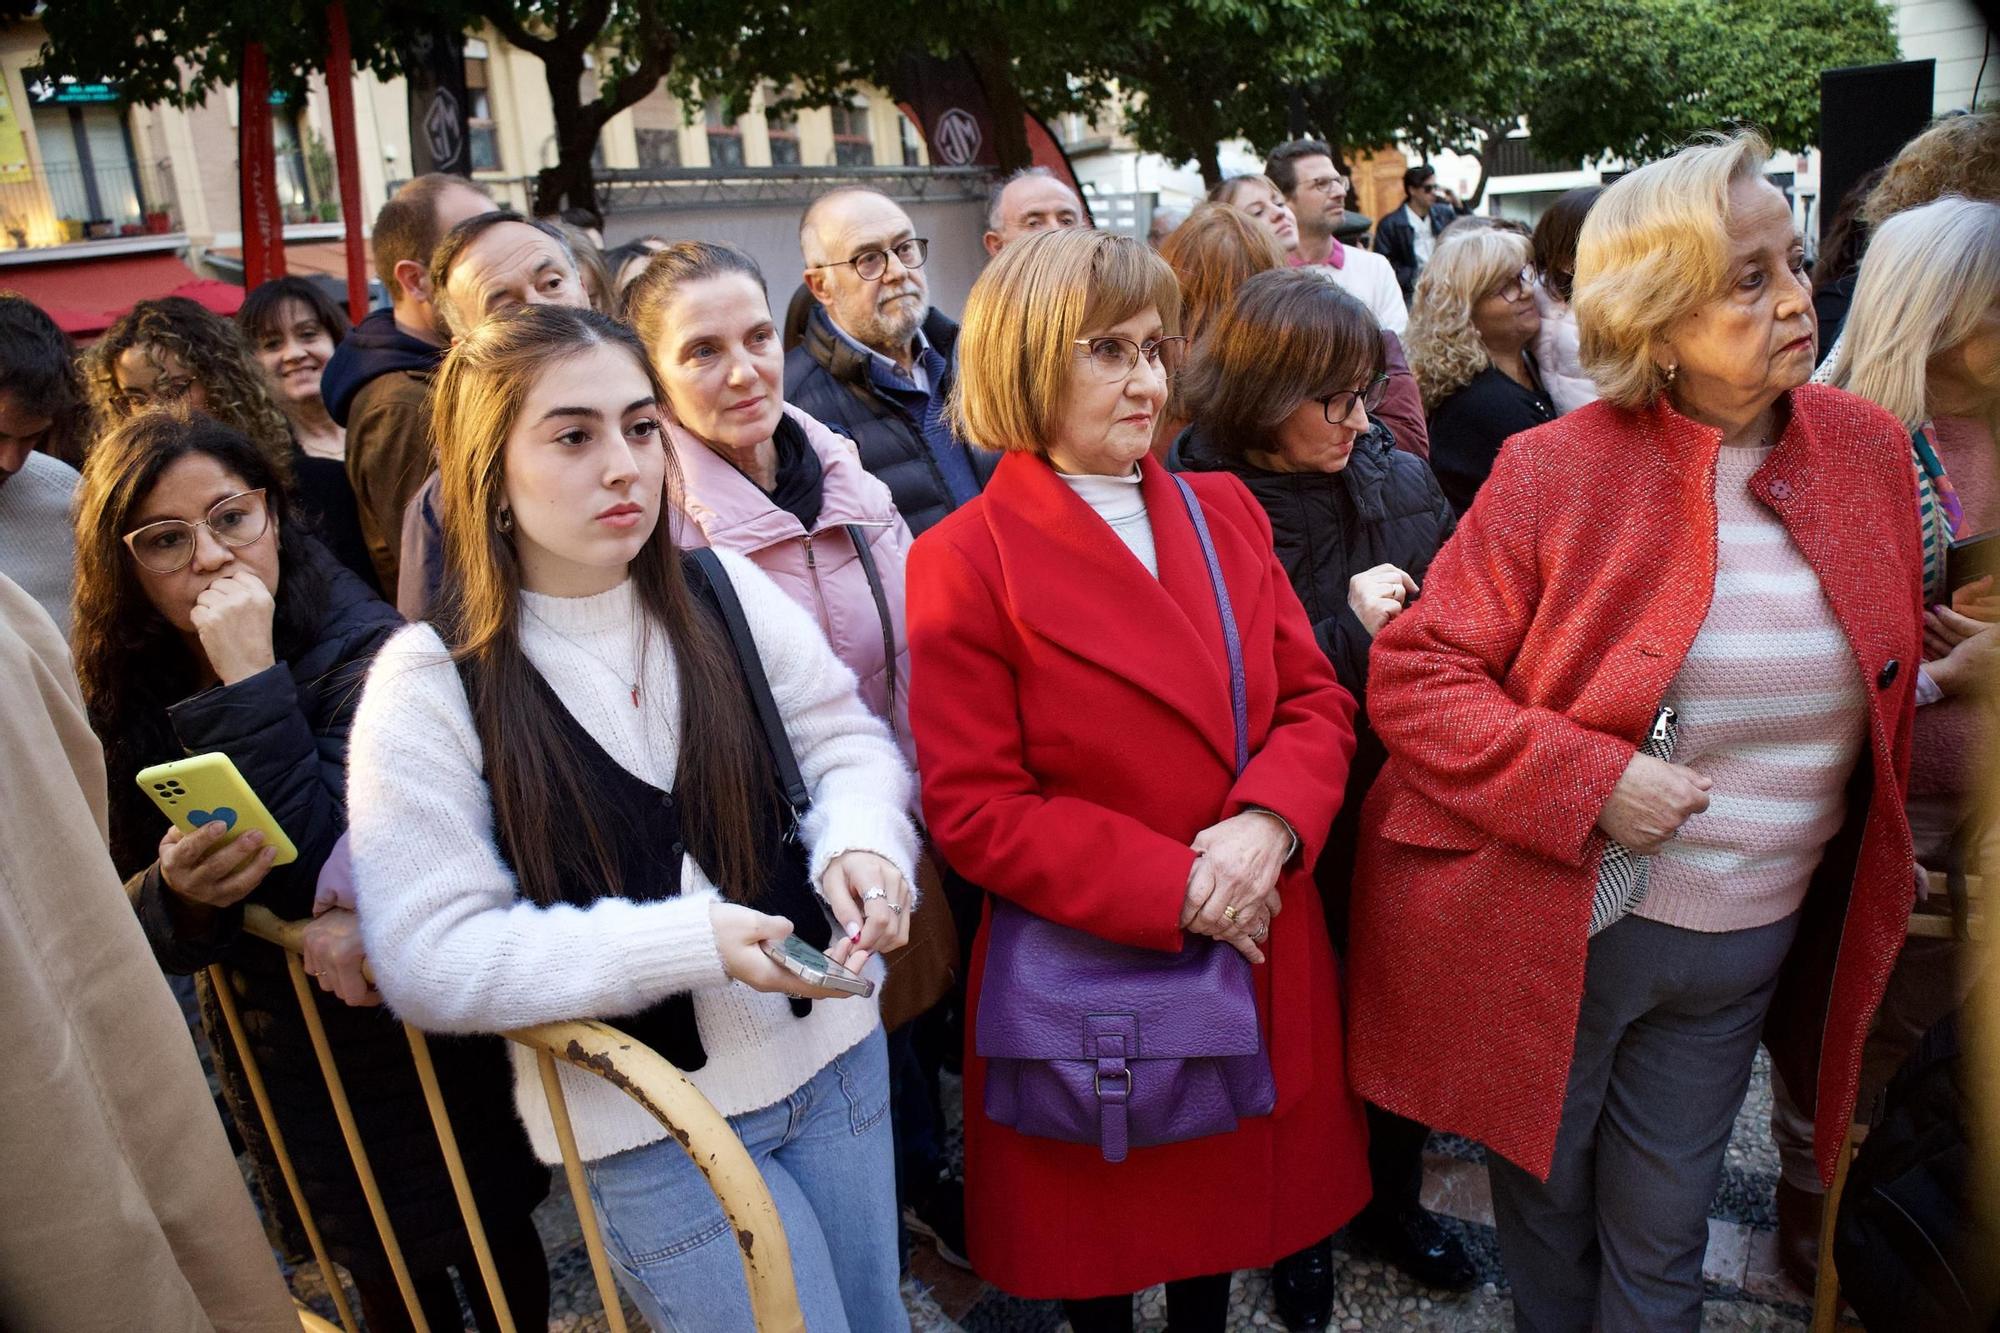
column 826, row 1153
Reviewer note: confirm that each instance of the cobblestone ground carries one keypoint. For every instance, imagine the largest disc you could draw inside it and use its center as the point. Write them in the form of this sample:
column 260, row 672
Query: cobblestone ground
column 1745, row 1293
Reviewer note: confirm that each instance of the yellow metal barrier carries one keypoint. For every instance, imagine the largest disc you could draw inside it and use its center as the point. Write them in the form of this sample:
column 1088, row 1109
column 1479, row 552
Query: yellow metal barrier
column 597, row 1049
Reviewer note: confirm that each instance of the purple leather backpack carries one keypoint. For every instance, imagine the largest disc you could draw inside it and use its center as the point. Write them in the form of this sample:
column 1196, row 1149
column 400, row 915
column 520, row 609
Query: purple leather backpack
column 1088, row 1041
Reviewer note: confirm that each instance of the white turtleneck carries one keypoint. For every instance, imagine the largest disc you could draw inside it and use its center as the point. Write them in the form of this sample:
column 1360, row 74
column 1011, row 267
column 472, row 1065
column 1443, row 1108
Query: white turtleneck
column 1118, row 502
column 455, row 949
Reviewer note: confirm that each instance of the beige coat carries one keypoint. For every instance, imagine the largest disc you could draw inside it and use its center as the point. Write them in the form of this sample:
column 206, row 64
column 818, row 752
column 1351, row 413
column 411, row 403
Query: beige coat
column 123, row 1206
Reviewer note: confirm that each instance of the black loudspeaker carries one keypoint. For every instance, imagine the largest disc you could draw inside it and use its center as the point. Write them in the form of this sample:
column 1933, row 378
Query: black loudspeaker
column 1866, row 114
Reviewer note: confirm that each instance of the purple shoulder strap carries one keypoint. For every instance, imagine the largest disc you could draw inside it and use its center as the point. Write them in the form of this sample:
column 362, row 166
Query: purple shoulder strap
column 1238, row 690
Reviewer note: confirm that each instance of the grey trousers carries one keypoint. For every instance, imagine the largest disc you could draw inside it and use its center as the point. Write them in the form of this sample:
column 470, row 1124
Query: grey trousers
column 1664, row 1043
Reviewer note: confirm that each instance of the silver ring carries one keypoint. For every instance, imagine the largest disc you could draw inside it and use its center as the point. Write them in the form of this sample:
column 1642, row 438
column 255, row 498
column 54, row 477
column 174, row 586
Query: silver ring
column 1262, row 931
column 877, row 892
column 897, row 908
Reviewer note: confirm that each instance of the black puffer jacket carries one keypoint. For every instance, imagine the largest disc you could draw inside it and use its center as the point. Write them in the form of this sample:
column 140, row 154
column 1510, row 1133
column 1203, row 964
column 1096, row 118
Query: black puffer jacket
column 286, row 730
column 828, row 379
column 1384, row 507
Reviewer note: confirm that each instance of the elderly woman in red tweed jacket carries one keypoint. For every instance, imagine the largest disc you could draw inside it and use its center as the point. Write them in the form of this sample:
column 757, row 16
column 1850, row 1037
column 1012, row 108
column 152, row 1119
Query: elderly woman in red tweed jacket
column 1649, row 735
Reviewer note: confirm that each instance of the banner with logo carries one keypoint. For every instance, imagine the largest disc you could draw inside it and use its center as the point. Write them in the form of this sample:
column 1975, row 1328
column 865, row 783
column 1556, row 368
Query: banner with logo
column 13, row 144
column 435, row 70
column 950, row 107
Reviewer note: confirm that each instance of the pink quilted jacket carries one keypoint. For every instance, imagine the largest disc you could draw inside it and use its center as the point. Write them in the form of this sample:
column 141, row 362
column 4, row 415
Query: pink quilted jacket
column 819, row 569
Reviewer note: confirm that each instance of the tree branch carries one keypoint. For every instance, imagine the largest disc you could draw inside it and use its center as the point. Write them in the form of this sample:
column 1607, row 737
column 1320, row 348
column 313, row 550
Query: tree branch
column 508, row 23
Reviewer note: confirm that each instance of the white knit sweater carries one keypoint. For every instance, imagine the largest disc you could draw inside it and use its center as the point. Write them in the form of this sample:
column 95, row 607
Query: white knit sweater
column 455, row 949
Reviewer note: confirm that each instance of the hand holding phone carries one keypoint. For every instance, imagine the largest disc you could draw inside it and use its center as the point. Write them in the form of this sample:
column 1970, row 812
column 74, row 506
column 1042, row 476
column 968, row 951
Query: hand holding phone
column 223, row 841
column 744, row 936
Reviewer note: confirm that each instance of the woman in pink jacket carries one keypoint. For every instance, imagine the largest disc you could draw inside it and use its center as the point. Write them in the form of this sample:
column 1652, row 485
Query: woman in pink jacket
column 764, row 479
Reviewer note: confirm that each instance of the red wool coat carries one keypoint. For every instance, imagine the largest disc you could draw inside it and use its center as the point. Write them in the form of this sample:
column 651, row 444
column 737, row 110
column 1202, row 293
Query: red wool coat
column 1074, row 733
column 1511, row 697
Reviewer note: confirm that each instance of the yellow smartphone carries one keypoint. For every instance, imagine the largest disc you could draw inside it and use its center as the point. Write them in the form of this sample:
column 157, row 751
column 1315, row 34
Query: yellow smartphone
column 204, row 788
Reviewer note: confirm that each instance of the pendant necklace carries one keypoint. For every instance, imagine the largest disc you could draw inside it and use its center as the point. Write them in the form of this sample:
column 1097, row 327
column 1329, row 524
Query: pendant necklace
column 630, row 684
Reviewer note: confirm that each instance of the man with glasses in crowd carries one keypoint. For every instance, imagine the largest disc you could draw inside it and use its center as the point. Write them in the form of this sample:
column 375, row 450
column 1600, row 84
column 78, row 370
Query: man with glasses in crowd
column 875, row 361
column 1406, row 236
column 1303, row 169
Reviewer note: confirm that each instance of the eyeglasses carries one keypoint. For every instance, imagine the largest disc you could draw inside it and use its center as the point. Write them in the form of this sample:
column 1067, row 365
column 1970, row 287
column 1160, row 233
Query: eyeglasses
column 1114, row 358
column 167, row 546
column 1326, row 185
column 1428, row 187
column 1339, row 406
column 1519, row 285
column 163, row 391
column 872, row 264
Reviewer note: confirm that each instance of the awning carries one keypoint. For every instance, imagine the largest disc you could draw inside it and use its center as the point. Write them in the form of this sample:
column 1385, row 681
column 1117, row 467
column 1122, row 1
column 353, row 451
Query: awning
column 85, row 296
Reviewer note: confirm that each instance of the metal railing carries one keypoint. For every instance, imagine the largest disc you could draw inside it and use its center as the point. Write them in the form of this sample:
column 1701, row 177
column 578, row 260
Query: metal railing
column 622, row 188
column 63, row 203
column 596, row 1049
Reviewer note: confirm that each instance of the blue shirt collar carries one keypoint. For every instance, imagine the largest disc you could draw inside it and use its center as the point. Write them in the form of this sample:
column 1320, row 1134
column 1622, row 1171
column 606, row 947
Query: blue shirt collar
column 921, row 344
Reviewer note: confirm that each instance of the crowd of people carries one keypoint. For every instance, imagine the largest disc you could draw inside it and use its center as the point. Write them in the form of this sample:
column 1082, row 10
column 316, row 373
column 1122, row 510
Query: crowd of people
column 1246, row 701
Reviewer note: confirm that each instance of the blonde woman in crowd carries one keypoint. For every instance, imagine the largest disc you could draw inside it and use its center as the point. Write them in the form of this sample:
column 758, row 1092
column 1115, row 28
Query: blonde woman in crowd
column 1472, row 321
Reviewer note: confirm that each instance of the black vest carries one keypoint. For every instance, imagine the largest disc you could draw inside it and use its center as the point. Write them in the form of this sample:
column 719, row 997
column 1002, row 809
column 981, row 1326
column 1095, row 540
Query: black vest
column 642, row 824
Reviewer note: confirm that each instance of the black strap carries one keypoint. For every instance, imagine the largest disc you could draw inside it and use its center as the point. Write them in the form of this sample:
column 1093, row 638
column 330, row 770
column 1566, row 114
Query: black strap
column 740, row 639
column 859, row 536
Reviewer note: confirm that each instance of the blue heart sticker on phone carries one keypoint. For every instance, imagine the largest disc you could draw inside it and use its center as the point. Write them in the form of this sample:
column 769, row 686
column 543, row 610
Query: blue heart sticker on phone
column 222, row 814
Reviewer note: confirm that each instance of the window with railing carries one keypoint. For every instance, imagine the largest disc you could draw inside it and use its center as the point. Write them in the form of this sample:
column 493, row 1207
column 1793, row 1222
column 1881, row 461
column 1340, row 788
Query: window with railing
column 852, row 146
column 725, row 136
column 89, row 169
column 482, row 138
column 784, row 133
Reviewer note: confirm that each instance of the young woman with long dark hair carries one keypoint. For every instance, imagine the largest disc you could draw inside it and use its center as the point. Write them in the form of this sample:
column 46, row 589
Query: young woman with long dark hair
column 565, row 808
column 207, row 620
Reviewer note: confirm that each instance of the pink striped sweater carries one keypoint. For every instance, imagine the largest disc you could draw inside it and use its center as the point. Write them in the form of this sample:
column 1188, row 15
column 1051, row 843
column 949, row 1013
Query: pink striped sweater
column 1772, row 710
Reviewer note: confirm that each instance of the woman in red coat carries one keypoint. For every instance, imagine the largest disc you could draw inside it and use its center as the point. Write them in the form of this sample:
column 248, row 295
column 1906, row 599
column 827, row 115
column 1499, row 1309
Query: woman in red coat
column 1700, row 565
column 1071, row 699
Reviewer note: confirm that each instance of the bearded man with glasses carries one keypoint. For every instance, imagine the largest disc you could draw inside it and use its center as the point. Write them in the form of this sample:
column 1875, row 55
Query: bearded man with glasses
column 875, row 361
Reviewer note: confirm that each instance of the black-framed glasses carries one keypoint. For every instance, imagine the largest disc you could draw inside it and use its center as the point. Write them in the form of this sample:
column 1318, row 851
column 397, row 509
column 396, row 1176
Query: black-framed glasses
column 872, row 264
column 1113, row 358
column 1339, row 406
column 163, row 391
column 167, row 546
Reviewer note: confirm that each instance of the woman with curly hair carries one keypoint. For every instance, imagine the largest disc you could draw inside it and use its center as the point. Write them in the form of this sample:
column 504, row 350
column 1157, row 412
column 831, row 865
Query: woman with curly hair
column 1471, row 322
column 173, row 350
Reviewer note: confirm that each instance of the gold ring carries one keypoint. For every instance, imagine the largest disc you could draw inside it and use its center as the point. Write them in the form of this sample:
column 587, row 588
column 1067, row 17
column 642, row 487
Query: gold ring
column 1229, row 912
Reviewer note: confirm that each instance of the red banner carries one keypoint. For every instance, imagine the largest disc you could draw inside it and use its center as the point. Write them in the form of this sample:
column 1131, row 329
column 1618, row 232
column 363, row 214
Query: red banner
column 346, row 154
column 257, row 172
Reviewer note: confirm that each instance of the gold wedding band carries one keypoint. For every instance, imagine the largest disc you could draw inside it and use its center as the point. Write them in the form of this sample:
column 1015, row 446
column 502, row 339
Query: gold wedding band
column 1229, row 912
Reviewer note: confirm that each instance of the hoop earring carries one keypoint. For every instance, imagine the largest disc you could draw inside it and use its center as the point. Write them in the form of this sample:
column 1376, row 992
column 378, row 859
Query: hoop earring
column 504, row 520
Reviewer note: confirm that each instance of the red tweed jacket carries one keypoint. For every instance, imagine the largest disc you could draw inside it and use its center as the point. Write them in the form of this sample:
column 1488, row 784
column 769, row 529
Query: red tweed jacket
column 1514, row 692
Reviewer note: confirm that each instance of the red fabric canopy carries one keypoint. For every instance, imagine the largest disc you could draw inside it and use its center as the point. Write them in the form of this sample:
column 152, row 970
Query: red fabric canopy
column 84, row 296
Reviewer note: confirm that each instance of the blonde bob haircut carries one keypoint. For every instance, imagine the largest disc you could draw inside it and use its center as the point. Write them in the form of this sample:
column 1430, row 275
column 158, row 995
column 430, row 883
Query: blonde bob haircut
column 1017, row 343
column 1653, row 251
column 1468, row 266
column 1930, row 276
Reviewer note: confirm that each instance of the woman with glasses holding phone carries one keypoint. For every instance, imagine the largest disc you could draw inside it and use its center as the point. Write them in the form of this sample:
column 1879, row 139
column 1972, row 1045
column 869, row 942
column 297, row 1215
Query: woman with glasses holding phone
column 1472, row 323
column 1128, row 738
column 1283, row 393
column 174, row 350
column 207, row 620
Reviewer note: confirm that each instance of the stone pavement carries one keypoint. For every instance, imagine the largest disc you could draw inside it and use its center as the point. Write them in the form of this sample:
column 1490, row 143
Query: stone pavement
column 1745, row 1292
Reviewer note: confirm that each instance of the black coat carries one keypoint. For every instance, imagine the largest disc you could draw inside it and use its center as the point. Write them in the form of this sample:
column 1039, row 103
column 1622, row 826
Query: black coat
column 1396, row 241
column 286, row 730
column 1468, row 428
column 828, row 379
column 1384, row 507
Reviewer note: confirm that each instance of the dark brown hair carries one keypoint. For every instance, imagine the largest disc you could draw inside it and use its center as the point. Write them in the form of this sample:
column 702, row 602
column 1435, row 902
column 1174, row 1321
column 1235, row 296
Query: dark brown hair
column 1282, row 166
column 540, row 788
column 131, row 663
column 1556, row 235
column 261, row 310
column 1289, row 336
column 38, row 363
column 1846, row 235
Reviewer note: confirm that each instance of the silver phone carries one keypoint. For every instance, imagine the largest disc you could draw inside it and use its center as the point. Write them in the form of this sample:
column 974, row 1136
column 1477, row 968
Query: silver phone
column 815, row 968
